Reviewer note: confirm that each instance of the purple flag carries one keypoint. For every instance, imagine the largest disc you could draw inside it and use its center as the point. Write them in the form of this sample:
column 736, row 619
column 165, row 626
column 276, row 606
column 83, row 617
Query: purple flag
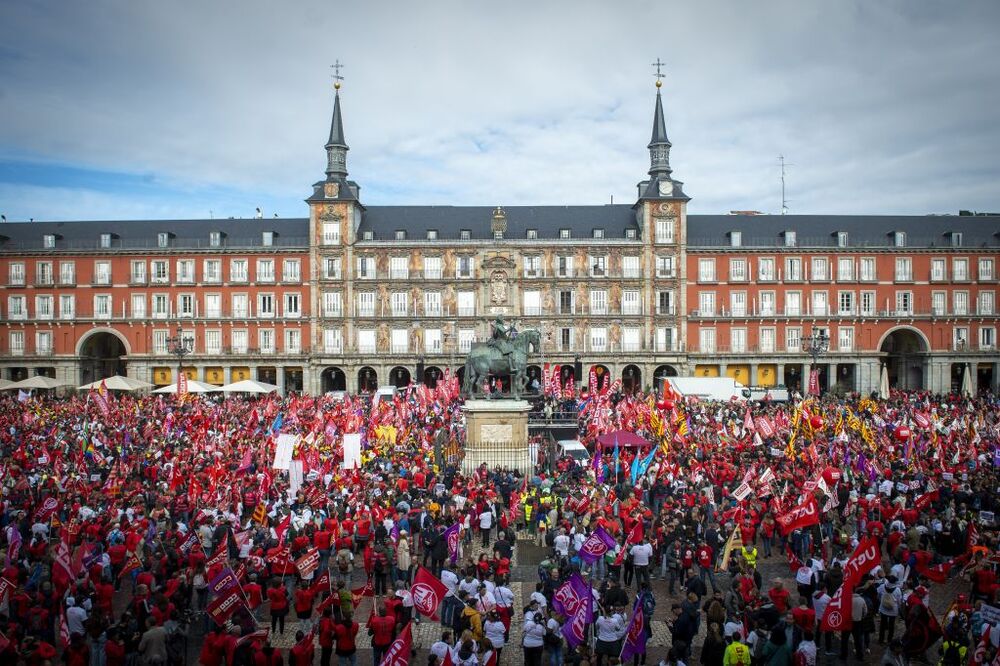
column 451, row 536
column 574, row 629
column 394, row 532
column 635, row 637
column 996, row 457
column 598, row 543
column 598, row 466
column 573, row 595
column 223, row 581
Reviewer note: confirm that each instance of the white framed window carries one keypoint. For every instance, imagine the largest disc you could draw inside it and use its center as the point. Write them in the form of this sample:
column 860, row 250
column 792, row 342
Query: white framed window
column 706, row 270
column 631, row 267
column 793, row 303
column 565, row 267
column 212, row 271
column 238, row 270
column 738, row 303
column 939, row 303
column 331, row 268
column 985, row 303
column 567, row 334
column 67, row 306
column 532, row 266
column 665, row 302
column 213, row 341
column 664, row 230
column 845, row 303
column 293, row 341
column 366, row 304
column 987, row 337
column 845, row 338
column 820, row 304
column 399, row 268
column 868, row 304
column 466, row 303
column 267, row 238
column 185, row 271
column 291, row 270
column 960, row 270
column 631, row 303
column 793, row 269
column 793, row 339
column 185, row 305
column 432, row 268
column 43, row 273
column 160, row 337
column 598, row 265
column 985, row 269
column 137, row 273
column 956, row 239
column 735, row 239
column 241, row 306
column 49, row 241
column 737, row 270
column 432, row 341
column 67, row 272
column 563, row 234
column 664, row 267
column 432, row 304
column 159, row 272
column 904, row 269
column 366, row 341
column 899, row 238
column 841, row 239
column 706, row 303
column 598, row 302
column 960, row 302
column 466, row 336
column 214, row 239
column 16, row 339
column 532, row 302
column 765, row 269
column 333, row 304
column 161, row 306
column 768, row 304
column 598, row 338
column 265, row 340
column 400, row 234
column 766, row 339
column 738, row 340
column 631, row 338
column 820, row 269
column 706, row 340
column 239, row 339
column 399, row 340
column 331, row 233
column 400, row 303
column 465, row 267
column 44, row 306
column 665, row 338
column 366, row 268
column 845, row 269
column 163, row 239
column 939, row 271
column 265, row 305
column 265, row 270
column 867, row 272
column 904, row 303
column 139, row 306
column 790, row 238
column 293, row 305
column 961, row 337
column 102, row 272
column 333, row 341
column 102, row 306
column 43, row 342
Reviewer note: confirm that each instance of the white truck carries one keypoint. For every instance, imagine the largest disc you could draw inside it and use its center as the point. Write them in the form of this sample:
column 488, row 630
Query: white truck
column 709, row 388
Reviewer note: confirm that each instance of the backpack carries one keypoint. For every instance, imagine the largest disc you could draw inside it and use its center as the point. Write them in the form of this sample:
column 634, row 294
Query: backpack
column 344, row 561
column 551, row 638
column 759, row 647
column 888, row 604
column 952, row 654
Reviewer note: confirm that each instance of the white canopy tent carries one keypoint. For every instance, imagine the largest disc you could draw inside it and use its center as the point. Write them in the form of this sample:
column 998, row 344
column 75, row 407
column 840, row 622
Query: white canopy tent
column 883, row 384
column 37, row 382
column 249, row 386
column 193, row 386
column 118, row 383
column 4, row 383
column 968, row 384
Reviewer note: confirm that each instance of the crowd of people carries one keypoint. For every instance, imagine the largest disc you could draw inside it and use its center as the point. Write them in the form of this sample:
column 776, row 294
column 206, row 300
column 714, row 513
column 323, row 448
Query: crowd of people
column 140, row 530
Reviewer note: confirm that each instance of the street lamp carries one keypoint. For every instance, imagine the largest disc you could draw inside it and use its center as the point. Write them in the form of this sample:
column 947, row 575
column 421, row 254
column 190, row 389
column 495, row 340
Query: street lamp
column 816, row 344
column 180, row 346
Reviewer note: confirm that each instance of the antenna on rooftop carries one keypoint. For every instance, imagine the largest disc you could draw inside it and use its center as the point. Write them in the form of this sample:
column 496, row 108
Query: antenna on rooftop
column 259, row 215
column 784, row 201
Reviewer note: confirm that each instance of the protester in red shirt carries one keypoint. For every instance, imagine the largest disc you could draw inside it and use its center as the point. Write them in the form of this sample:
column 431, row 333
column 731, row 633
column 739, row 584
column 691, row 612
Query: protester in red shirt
column 302, row 653
column 382, row 626
column 304, row 597
column 278, row 596
column 347, row 631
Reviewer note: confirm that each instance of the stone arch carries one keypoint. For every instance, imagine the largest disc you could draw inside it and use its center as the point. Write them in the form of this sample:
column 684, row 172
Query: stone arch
column 333, row 379
column 102, row 353
column 103, row 329
column 891, row 333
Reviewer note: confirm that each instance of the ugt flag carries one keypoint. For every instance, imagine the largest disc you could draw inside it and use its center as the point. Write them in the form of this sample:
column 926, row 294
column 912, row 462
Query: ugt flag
column 598, row 543
column 451, row 538
column 427, row 591
column 635, row 635
column 572, row 596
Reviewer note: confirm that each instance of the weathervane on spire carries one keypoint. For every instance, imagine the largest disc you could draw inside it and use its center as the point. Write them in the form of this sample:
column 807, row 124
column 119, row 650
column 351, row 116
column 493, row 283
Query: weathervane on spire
column 659, row 73
column 337, row 78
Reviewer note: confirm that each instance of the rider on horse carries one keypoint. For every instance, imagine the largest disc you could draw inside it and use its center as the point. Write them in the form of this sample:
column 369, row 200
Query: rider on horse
column 502, row 336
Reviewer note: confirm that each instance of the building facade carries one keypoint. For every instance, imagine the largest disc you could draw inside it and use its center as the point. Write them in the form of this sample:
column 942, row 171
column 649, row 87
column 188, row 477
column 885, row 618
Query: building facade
column 357, row 296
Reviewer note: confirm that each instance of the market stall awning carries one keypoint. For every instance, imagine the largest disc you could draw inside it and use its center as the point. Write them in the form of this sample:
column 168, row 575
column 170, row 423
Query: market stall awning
column 624, row 439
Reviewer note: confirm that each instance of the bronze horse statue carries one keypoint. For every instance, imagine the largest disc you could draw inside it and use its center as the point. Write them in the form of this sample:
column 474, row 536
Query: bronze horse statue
column 487, row 359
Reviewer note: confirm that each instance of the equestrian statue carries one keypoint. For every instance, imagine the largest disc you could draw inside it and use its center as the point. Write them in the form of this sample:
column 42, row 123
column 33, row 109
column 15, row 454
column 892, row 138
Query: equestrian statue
column 506, row 353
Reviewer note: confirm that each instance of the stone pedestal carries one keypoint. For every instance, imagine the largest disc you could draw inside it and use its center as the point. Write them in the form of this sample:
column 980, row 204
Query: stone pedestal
column 496, row 433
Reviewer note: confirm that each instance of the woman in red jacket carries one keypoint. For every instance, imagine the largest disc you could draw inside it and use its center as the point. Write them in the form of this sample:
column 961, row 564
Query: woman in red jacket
column 278, row 596
column 304, row 606
column 347, row 631
column 211, row 652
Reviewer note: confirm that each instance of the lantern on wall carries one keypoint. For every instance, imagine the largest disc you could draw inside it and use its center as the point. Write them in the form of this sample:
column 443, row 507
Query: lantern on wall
column 902, row 433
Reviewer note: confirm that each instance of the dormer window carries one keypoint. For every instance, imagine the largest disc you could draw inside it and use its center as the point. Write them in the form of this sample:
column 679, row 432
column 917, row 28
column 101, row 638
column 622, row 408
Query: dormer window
column 432, row 234
column 735, row 239
column 105, row 241
column 790, row 239
column 532, row 234
column 215, row 239
column 162, row 239
column 841, row 239
column 49, row 241
column 400, row 234
column 267, row 238
column 899, row 238
column 956, row 239
column 630, row 234
column 368, row 235
column 465, row 234
column 598, row 233
column 497, row 235
column 564, row 234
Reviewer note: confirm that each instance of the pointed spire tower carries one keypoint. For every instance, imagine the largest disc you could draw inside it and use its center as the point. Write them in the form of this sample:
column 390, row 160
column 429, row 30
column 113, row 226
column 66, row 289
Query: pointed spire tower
column 660, row 184
column 336, row 146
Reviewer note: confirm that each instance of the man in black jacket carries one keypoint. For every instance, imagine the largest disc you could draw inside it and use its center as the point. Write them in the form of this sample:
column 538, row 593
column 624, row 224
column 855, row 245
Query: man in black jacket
column 682, row 631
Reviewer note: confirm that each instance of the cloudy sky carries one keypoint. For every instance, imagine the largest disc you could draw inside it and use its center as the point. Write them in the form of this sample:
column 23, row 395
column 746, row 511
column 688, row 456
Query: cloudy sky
column 117, row 110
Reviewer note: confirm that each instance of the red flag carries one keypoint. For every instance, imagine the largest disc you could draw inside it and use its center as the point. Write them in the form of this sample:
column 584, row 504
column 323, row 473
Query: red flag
column 259, row 635
column 132, row 563
column 794, row 563
column 308, row 563
column 357, row 594
column 223, row 606
column 221, row 554
column 63, row 629
column 866, row 557
column 282, row 528
column 939, row 573
column 635, row 534
column 398, row 653
column 6, row 587
column 803, row 515
column 427, row 591
column 322, row 584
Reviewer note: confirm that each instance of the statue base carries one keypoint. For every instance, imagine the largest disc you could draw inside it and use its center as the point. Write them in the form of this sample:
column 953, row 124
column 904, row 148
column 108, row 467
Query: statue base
column 496, row 433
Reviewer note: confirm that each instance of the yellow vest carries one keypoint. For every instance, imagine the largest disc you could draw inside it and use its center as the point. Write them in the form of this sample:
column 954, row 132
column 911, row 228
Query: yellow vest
column 750, row 556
